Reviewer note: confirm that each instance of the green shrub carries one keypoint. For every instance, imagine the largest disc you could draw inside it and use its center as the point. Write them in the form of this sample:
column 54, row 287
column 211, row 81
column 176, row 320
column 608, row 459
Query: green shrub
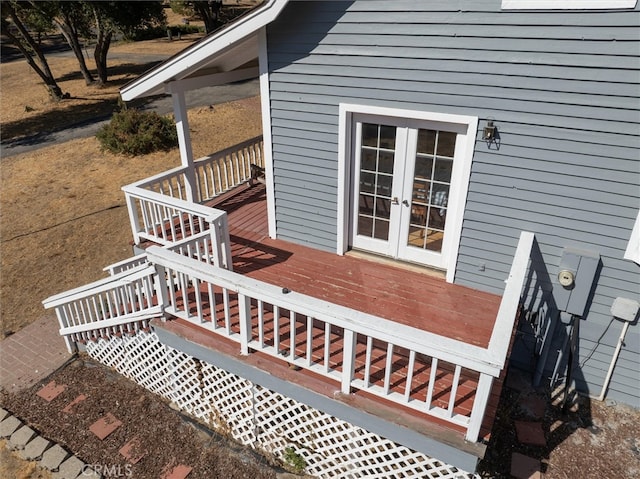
column 294, row 460
column 132, row 132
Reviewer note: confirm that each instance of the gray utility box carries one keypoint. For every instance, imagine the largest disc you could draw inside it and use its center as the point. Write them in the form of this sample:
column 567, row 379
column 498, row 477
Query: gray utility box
column 576, row 275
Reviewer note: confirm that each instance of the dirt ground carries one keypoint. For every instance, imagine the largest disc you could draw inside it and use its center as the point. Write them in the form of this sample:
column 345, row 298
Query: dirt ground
column 63, row 219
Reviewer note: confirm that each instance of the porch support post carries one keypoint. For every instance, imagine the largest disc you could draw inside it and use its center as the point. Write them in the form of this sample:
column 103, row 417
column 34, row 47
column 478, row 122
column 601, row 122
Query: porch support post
column 184, row 139
column 244, row 310
column 483, row 392
column 348, row 360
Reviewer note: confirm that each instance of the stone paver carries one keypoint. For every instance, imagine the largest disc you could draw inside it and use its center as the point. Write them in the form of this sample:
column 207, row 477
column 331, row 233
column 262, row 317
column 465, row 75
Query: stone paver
column 525, row 467
column 534, row 406
column 34, row 449
column 530, row 432
column 21, row 437
column 9, row 426
column 70, row 469
column 176, row 472
column 51, row 391
column 53, row 457
column 88, row 473
column 105, row 426
column 31, row 354
column 3, row 414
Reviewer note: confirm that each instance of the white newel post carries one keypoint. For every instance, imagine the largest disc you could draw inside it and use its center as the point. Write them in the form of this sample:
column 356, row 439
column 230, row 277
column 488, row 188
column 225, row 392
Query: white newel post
column 133, row 217
column 221, row 242
column 62, row 321
column 348, row 360
column 161, row 288
column 184, row 140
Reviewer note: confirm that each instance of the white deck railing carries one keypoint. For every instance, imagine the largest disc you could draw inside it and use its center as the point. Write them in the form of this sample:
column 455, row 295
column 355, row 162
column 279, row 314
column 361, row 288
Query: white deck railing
column 160, row 207
column 119, row 304
column 287, row 325
column 326, row 338
column 216, row 174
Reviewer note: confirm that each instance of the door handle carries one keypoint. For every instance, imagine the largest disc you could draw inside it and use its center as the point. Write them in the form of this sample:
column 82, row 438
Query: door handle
column 394, row 201
column 405, row 202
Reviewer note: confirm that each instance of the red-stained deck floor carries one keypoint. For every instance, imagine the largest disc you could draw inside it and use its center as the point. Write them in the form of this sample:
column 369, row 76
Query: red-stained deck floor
column 392, row 291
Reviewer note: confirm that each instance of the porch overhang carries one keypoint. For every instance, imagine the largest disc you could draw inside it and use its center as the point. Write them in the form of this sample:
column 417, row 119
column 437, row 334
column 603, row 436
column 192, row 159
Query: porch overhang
column 231, row 49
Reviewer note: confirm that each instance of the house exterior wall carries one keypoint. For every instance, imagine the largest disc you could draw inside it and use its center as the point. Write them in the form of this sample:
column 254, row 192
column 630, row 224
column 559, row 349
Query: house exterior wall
column 562, row 87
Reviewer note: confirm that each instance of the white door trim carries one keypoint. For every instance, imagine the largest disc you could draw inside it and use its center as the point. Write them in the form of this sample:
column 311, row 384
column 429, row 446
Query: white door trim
column 459, row 189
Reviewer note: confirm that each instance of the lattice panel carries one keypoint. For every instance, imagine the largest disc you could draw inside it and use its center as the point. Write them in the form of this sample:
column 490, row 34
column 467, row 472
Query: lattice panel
column 264, row 419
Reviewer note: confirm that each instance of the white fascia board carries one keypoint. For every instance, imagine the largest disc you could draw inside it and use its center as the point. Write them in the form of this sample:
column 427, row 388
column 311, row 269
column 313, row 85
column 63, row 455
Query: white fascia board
column 568, row 4
column 202, row 51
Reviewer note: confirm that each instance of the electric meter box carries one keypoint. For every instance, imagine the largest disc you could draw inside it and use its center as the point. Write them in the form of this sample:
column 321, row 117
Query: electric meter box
column 576, row 275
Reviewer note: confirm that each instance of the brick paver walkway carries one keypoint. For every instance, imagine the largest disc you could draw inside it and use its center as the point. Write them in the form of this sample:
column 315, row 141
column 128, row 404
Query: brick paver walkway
column 31, row 354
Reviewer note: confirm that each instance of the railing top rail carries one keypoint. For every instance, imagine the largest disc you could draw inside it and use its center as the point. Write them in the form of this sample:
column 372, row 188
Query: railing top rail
column 507, row 312
column 231, row 149
column 99, row 286
column 181, row 169
column 210, row 214
column 155, row 178
column 447, row 349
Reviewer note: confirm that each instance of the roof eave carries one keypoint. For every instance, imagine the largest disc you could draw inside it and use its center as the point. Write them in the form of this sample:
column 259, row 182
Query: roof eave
column 189, row 60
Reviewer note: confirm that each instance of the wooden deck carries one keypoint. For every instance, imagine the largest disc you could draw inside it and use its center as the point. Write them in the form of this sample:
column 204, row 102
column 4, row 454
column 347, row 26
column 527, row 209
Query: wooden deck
column 402, row 294
column 392, row 291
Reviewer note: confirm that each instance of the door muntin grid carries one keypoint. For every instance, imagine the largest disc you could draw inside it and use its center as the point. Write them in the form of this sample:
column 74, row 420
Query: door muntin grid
column 433, row 168
column 377, row 161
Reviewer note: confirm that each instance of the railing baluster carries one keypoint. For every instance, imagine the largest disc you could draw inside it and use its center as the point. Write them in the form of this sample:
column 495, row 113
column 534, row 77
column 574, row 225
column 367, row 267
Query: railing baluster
column 227, row 311
column 388, row 369
column 309, row 351
column 244, row 310
column 261, row 323
column 409, row 380
column 276, row 329
column 454, row 390
column 327, row 346
column 292, row 336
column 432, row 381
column 367, row 362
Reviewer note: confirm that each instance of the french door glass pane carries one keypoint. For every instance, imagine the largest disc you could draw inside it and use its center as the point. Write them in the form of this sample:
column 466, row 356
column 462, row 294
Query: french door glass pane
column 430, row 190
column 377, row 152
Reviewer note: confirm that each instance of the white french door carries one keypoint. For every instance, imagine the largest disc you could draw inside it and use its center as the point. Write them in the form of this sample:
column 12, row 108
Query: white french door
column 403, row 186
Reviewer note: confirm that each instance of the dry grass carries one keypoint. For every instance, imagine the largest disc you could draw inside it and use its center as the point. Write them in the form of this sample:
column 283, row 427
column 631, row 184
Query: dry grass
column 63, row 214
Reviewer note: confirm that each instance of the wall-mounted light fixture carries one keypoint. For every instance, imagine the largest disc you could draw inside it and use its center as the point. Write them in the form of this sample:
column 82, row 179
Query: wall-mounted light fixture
column 489, row 132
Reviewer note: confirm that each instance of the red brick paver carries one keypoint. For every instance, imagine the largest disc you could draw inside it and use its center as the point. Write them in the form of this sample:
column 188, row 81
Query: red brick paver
column 51, row 391
column 524, row 467
column 31, row 354
column 530, row 432
column 176, row 472
column 69, row 407
column 133, row 451
column 105, row 426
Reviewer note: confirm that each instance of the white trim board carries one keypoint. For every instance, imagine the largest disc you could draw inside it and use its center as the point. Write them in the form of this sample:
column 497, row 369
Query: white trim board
column 568, row 4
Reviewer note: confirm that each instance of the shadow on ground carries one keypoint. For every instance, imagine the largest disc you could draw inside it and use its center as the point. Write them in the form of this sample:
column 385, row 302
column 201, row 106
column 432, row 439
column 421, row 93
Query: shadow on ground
column 39, row 127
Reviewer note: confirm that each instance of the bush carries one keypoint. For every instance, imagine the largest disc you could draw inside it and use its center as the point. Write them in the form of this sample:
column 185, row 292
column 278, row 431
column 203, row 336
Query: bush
column 132, row 132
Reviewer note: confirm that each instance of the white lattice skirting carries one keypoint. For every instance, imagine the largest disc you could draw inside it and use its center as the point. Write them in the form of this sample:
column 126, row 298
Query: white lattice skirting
column 261, row 418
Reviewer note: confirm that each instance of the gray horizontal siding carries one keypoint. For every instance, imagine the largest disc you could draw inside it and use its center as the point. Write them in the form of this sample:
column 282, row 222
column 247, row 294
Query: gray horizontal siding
column 563, row 89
